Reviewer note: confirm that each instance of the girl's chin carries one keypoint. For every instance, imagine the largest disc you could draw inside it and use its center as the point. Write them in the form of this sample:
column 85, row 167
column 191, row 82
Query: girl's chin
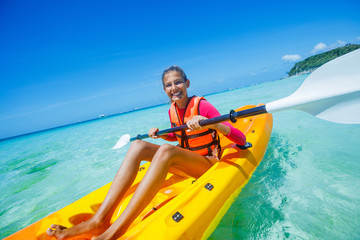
column 177, row 98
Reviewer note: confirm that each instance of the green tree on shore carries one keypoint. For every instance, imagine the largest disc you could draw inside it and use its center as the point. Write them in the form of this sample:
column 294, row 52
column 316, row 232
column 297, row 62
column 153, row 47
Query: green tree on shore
column 313, row 62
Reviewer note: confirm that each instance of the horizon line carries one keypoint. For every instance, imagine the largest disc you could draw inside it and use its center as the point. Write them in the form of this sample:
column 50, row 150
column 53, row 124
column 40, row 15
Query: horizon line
column 120, row 113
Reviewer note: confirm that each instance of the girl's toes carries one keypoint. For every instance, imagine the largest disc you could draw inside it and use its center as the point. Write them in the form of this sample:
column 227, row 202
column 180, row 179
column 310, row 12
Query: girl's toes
column 50, row 231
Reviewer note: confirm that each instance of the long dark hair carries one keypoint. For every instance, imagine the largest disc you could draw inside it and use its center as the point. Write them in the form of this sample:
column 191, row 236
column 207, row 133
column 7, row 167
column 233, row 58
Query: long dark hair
column 175, row 69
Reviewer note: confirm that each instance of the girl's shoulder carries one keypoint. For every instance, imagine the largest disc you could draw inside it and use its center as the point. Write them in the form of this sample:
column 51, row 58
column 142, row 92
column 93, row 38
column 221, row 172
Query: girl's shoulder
column 206, row 109
column 205, row 103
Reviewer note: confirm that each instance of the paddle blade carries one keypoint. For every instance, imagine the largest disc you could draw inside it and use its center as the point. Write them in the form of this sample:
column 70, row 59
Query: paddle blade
column 332, row 92
column 125, row 139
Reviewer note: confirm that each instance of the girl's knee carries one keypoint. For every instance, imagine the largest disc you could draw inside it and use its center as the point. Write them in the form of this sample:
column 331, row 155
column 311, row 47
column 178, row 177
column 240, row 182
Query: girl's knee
column 138, row 145
column 167, row 149
column 141, row 150
column 165, row 153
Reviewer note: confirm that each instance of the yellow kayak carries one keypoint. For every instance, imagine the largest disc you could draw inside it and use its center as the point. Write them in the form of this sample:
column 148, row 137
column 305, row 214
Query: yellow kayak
column 184, row 208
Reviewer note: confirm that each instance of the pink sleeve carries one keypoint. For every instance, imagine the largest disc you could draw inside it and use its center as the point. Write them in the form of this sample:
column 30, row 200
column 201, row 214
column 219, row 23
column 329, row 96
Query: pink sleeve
column 207, row 110
column 170, row 137
column 235, row 135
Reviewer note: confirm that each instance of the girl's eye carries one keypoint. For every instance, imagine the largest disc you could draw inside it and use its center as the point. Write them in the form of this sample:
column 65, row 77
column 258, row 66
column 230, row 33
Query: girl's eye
column 167, row 85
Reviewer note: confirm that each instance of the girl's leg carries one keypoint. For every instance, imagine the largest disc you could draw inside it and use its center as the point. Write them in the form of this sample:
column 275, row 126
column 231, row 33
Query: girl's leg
column 166, row 158
column 139, row 151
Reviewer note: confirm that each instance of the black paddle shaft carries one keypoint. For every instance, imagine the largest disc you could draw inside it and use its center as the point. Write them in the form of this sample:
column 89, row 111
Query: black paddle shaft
column 232, row 116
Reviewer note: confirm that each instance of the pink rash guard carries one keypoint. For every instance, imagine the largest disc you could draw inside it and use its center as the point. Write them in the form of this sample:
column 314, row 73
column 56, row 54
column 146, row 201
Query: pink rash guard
column 209, row 111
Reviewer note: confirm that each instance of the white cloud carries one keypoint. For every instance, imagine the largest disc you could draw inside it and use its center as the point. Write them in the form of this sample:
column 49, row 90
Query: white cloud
column 319, row 47
column 291, row 58
column 341, row 43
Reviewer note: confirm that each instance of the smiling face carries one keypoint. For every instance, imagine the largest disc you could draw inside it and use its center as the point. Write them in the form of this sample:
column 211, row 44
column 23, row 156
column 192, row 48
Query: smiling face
column 175, row 87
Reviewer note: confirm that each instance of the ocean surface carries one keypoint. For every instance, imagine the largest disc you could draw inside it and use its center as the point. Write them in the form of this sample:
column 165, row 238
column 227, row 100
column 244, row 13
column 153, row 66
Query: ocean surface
column 307, row 186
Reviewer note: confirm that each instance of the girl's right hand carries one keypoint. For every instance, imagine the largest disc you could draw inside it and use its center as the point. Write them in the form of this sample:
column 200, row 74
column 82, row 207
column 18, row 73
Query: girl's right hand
column 152, row 133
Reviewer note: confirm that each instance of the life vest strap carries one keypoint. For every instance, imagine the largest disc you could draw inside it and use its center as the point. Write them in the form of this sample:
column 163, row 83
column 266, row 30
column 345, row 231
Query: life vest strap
column 196, row 135
column 200, row 134
column 213, row 143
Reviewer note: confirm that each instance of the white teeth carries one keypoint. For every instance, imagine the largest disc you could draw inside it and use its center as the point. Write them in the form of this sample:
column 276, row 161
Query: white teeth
column 177, row 94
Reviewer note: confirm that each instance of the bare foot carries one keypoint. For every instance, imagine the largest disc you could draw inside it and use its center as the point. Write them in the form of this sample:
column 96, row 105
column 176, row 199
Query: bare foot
column 88, row 227
column 56, row 231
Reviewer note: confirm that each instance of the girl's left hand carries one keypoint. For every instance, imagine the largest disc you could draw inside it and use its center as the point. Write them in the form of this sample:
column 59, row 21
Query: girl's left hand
column 193, row 124
column 152, row 133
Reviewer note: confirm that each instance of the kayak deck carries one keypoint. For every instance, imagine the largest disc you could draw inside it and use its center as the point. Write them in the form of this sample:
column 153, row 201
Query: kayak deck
column 184, row 208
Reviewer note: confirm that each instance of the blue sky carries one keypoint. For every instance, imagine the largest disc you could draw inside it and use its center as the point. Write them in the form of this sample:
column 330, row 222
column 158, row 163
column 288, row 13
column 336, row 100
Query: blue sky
column 69, row 61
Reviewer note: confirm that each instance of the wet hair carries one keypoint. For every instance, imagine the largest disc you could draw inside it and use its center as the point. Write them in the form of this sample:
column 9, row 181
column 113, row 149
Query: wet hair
column 175, row 69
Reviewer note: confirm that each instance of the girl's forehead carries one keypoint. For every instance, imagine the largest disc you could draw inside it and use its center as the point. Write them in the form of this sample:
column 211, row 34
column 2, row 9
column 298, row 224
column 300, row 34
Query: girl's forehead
column 172, row 75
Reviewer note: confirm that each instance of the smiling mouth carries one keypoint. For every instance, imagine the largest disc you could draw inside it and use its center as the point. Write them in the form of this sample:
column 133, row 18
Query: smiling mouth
column 177, row 94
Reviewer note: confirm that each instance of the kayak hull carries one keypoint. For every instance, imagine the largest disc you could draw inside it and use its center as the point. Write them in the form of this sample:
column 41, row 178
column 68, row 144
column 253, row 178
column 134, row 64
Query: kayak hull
column 184, row 208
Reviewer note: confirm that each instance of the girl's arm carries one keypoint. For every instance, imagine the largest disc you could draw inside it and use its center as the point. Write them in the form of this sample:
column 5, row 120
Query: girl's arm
column 209, row 111
column 168, row 137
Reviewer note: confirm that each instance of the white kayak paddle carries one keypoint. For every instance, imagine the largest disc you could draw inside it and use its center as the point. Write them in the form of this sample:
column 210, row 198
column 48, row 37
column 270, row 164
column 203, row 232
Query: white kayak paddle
column 332, row 93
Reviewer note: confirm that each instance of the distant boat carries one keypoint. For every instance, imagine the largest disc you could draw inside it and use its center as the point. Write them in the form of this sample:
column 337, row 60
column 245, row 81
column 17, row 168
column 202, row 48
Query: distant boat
column 102, row 115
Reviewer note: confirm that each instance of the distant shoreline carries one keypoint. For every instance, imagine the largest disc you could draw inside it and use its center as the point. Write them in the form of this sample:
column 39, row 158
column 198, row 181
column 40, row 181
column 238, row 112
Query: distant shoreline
column 311, row 63
column 308, row 72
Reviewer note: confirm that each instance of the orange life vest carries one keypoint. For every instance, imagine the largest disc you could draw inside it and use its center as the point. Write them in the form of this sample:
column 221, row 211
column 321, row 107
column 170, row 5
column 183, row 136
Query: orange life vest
column 205, row 141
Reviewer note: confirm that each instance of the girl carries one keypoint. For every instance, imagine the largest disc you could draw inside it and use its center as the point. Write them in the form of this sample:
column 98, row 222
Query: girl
column 199, row 150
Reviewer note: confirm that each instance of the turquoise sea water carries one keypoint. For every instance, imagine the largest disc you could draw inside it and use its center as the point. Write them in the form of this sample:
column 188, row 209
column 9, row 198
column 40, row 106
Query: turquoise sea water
column 307, row 186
